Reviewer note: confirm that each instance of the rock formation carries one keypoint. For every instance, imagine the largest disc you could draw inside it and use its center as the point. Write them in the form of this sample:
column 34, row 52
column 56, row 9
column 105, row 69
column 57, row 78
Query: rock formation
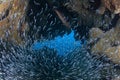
column 108, row 43
column 112, row 5
column 13, row 20
column 90, row 15
column 104, row 32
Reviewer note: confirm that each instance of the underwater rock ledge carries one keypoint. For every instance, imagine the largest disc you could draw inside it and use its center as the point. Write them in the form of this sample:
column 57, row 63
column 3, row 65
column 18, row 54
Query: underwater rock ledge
column 13, row 23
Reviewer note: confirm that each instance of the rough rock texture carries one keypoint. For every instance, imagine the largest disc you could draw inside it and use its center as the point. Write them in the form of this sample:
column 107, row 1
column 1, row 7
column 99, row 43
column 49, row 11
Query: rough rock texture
column 112, row 5
column 12, row 20
column 88, row 15
column 95, row 33
column 107, row 44
column 86, row 19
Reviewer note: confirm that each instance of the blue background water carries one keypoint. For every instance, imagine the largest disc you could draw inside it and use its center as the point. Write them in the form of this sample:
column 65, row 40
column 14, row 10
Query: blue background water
column 63, row 45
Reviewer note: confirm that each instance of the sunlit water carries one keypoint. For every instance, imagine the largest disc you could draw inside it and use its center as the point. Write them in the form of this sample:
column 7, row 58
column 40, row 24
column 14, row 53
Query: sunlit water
column 65, row 44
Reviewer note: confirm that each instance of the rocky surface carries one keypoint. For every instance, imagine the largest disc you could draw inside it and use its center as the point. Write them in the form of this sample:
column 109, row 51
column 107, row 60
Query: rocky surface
column 104, row 32
column 90, row 15
column 12, row 20
column 112, row 5
column 86, row 19
column 108, row 43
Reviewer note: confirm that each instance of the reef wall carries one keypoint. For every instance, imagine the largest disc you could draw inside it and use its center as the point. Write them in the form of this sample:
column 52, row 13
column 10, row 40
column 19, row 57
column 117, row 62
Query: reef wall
column 13, row 20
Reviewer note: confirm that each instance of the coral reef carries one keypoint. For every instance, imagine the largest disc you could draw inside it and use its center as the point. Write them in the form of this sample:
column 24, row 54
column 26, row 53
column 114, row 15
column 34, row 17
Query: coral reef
column 43, row 20
column 42, row 23
column 96, row 20
column 107, row 43
column 100, row 19
column 89, row 16
column 112, row 5
column 13, row 20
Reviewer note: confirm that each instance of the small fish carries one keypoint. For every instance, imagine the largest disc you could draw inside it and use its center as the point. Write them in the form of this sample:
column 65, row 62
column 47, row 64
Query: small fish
column 59, row 14
column 62, row 18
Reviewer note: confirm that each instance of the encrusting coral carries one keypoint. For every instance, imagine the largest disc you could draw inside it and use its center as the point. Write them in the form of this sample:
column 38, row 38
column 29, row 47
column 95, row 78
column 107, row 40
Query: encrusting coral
column 107, row 44
column 112, row 5
column 90, row 15
column 13, row 20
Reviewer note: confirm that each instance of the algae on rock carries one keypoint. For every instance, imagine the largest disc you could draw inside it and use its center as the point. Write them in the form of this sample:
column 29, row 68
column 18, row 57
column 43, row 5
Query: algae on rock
column 13, row 20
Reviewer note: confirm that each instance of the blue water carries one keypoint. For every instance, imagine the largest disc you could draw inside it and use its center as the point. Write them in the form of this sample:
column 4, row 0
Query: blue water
column 63, row 45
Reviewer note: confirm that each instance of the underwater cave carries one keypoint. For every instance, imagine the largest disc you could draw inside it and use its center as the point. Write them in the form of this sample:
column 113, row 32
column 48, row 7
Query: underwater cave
column 59, row 40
